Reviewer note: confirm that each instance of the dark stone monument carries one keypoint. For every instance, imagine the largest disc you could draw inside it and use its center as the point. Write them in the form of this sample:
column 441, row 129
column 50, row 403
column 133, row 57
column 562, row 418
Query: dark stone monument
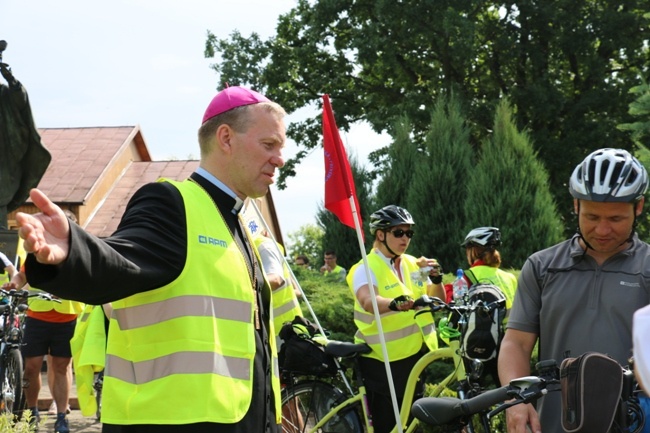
column 23, row 158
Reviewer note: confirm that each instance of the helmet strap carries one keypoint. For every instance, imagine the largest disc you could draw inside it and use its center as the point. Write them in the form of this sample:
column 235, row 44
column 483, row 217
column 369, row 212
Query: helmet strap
column 395, row 255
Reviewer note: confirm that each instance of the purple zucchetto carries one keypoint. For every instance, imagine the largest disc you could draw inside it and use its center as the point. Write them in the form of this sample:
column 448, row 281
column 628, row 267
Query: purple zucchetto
column 232, row 97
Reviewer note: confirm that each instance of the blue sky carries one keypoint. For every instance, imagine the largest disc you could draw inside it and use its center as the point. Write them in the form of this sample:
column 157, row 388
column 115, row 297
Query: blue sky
column 115, row 63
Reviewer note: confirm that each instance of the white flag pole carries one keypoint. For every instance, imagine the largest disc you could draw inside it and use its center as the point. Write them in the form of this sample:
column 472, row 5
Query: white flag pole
column 373, row 297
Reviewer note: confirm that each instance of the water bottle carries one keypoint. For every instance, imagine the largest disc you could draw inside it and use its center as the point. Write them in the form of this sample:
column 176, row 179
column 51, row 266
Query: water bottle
column 460, row 286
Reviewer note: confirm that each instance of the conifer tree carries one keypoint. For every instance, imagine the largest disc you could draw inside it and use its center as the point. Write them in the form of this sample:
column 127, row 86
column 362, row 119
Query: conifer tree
column 402, row 157
column 437, row 191
column 339, row 237
column 509, row 189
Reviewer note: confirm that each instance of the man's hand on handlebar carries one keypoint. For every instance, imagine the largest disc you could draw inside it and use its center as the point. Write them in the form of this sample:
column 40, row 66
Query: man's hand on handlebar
column 519, row 417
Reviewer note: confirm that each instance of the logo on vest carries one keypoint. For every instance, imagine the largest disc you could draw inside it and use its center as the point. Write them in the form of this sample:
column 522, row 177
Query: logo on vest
column 627, row 284
column 203, row 239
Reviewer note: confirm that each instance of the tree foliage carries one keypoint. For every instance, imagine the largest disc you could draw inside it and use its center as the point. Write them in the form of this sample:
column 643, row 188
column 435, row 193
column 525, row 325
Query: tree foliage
column 307, row 240
column 566, row 65
column 508, row 188
column 402, row 155
column 438, row 189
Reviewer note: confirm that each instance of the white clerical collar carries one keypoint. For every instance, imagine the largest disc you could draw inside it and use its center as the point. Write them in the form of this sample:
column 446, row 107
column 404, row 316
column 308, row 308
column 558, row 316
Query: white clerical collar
column 239, row 203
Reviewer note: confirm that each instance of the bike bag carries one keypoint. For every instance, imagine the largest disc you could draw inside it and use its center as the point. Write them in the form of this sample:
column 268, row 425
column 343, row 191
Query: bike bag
column 591, row 390
column 300, row 354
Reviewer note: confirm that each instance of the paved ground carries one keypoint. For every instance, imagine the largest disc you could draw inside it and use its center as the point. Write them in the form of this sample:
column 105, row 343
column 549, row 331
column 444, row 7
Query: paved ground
column 78, row 423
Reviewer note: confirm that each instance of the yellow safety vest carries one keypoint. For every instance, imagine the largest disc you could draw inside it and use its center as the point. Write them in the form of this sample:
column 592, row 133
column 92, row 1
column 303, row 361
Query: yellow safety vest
column 403, row 332
column 63, row 307
column 183, row 353
column 88, row 346
column 285, row 302
column 503, row 280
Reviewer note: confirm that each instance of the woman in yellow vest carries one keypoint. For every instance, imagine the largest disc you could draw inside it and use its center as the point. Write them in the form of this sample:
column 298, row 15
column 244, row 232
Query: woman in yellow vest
column 397, row 281
column 484, row 259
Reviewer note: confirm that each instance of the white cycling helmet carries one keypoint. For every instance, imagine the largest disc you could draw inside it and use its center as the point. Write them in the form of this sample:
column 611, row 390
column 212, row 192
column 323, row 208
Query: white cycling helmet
column 483, row 236
column 609, row 175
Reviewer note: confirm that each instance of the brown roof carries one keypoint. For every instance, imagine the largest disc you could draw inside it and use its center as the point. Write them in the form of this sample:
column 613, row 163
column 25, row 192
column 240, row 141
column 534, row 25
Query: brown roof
column 81, row 155
column 95, row 171
column 106, row 220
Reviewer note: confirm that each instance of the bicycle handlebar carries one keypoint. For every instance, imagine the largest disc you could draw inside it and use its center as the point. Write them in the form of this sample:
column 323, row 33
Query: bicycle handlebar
column 24, row 294
column 436, row 304
column 528, row 389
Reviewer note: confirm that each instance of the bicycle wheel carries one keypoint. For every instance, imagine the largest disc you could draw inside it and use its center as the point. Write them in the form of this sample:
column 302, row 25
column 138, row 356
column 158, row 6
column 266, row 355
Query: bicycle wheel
column 306, row 403
column 11, row 382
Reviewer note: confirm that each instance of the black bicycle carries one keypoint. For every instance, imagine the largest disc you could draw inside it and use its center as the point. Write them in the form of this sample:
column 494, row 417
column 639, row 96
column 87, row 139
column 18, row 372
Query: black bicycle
column 453, row 414
column 12, row 315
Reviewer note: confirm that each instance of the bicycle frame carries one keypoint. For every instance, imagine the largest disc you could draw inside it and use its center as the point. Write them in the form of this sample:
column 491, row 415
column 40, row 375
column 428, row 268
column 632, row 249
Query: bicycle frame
column 451, row 352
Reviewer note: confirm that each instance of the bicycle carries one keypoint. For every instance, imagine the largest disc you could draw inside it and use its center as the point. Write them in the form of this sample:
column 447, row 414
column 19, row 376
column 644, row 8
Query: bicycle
column 312, row 404
column 453, row 414
column 12, row 398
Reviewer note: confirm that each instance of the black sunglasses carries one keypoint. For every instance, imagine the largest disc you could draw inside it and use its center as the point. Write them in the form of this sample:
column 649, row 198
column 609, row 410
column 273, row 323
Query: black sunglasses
column 398, row 233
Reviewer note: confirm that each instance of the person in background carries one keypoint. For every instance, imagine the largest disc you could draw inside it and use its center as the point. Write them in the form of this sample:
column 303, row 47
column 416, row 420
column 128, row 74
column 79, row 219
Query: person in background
column 640, row 332
column 285, row 300
column 484, row 259
column 396, row 281
column 49, row 327
column 302, row 261
column 331, row 268
column 190, row 345
column 580, row 295
column 8, row 268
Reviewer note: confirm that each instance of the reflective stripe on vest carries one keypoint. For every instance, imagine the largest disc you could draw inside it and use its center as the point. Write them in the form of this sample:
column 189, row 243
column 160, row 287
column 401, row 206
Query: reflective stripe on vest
column 183, row 353
column 403, row 332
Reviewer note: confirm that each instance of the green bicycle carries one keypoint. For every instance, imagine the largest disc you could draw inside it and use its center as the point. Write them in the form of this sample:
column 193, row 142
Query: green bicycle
column 315, row 405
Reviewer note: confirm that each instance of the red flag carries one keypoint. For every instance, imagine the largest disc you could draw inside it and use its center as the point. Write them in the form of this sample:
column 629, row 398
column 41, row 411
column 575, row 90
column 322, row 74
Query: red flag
column 339, row 184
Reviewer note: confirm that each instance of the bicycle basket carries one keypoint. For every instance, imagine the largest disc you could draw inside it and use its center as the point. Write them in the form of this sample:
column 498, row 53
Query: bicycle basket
column 300, row 354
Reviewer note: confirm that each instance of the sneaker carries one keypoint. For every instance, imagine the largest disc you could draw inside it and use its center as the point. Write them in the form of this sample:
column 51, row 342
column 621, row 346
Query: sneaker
column 61, row 424
column 52, row 409
column 35, row 420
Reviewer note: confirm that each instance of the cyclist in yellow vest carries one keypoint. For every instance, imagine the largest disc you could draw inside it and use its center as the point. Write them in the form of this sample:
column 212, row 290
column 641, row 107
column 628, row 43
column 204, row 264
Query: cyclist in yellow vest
column 397, row 279
column 8, row 268
column 190, row 343
column 331, row 267
column 284, row 296
column 49, row 327
column 484, row 259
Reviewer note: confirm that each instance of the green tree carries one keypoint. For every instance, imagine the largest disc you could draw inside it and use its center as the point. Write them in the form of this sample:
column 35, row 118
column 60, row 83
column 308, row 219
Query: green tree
column 565, row 64
column 508, row 188
column 438, row 188
column 307, row 240
column 640, row 109
column 402, row 157
column 339, row 237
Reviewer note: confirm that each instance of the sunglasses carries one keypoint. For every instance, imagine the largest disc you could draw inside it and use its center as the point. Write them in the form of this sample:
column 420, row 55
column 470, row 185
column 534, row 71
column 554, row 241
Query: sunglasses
column 398, row 233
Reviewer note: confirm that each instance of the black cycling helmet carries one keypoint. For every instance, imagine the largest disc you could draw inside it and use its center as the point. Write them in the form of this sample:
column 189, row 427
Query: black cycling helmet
column 389, row 216
column 483, row 236
column 609, row 175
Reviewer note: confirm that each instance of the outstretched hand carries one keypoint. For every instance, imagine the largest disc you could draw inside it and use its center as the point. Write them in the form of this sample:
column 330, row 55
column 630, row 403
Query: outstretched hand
column 45, row 234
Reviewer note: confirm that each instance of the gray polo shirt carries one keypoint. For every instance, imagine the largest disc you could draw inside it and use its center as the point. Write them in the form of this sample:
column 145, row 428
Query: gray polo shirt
column 575, row 306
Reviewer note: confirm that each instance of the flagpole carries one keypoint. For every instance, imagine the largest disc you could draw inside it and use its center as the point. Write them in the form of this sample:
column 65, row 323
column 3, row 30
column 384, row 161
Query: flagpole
column 373, row 297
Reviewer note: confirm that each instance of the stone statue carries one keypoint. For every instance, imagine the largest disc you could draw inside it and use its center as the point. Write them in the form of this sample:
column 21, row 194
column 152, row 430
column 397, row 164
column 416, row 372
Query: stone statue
column 23, row 158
